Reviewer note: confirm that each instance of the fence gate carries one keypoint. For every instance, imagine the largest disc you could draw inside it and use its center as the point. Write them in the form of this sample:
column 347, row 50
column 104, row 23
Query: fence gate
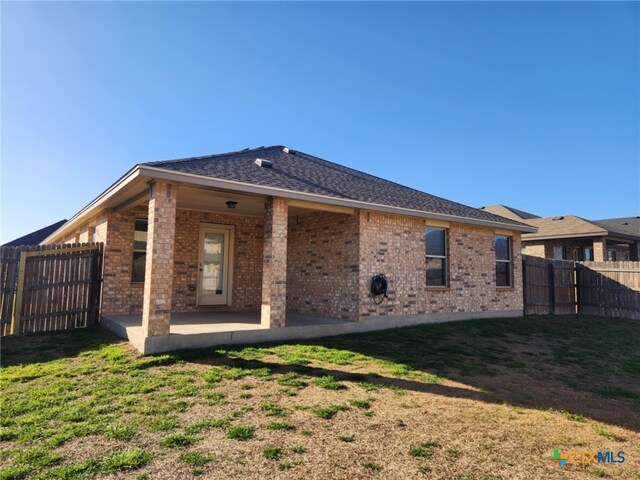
column 549, row 286
column 49, row 287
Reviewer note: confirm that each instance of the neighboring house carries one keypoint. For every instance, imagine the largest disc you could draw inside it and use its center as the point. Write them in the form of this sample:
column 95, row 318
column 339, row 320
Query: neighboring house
column 280, row 234
column 37, row 237
column 510, row 212
column 573, row 238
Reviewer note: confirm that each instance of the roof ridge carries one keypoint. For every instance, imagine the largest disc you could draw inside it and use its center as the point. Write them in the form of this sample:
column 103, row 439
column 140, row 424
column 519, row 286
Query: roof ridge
column 617, row 218
column 203, row 157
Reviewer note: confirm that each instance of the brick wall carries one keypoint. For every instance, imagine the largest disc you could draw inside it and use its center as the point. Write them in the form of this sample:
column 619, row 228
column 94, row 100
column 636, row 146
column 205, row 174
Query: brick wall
column 85, row 233
column 394, row 245
column 322, row 265
column 622, row 252
column 247, row 259
column 535, row 249
column 119, row 295
column 544, row 249
column 124, row 297
column 330, row 261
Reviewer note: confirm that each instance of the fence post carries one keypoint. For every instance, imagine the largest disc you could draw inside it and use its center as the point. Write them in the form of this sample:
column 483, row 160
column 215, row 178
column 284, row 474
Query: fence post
column 552, row 289
column 524, row 285
column 94, row 289
column 576, row 276
column 17, row 306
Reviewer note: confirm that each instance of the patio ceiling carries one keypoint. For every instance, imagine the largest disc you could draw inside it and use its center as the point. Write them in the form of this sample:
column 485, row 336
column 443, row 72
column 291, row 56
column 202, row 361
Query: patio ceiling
column 215, row 200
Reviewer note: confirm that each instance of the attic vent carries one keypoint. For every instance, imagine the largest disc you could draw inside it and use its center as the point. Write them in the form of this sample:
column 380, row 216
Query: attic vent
column 289, row 150
column 557, row 218
column 263, row 163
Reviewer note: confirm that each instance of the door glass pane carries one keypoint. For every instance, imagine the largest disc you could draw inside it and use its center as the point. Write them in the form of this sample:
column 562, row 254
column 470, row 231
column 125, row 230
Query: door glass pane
column 213, row 264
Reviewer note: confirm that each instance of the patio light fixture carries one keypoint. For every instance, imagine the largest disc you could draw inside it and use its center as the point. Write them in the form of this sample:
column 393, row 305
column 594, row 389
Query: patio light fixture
column 232, row 204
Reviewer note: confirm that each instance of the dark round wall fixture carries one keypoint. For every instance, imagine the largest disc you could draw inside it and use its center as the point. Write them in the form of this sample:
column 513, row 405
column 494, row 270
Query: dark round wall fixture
column 379, row 285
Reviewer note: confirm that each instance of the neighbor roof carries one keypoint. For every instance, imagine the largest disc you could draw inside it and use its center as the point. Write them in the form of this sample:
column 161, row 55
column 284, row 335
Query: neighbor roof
column 563, row 226
column 625, row 225
column 509, row 212
column 35, row 238
column 570, row 226
column 296, row 171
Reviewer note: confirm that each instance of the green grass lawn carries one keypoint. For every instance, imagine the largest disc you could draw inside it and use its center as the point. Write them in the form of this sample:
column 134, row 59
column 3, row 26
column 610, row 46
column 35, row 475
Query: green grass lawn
column 436, row 401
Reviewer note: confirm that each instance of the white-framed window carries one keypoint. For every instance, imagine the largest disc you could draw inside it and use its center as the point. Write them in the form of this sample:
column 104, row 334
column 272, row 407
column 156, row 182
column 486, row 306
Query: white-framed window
column 139, row 251
column 436, row 253
column 558, row 253
column 587, row 254
column 504, row 276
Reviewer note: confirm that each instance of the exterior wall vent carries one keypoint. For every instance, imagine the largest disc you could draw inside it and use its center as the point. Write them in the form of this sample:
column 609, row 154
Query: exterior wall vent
column 263, row 163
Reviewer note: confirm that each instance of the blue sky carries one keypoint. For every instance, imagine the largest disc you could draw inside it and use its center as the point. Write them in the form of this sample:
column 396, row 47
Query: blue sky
column 532, row 105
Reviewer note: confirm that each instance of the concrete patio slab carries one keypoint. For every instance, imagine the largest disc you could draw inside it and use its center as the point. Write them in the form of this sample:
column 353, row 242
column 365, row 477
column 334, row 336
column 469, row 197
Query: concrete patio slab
column 206, row 329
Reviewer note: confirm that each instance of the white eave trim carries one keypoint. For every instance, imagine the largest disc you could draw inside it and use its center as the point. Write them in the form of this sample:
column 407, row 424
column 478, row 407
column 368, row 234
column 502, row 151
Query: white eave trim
column 96, row 203
column 201, row 180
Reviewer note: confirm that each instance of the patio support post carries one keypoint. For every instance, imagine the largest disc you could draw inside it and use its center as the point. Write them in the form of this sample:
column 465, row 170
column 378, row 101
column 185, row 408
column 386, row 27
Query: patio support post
column 600, row 249
column 274, row 271
column 158, row 276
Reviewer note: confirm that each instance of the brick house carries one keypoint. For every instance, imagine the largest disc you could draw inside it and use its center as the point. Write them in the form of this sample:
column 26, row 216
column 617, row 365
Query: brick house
column 231, row 248
column 569, row 237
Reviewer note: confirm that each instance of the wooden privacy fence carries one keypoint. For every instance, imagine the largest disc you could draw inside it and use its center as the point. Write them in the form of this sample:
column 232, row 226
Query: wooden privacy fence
column 609, row 289
column 49, row 287
column 562, row 287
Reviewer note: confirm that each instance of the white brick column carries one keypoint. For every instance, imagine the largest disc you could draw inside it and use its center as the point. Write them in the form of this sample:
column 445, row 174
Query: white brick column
column 158, row 279
column 274, row 270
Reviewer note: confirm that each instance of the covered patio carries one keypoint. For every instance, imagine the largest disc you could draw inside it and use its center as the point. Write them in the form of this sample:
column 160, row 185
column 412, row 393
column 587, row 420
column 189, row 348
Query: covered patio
column 212, row 266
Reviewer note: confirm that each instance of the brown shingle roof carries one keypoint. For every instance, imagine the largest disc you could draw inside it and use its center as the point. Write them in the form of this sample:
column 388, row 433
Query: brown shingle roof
column 297, row 171
column 625, row 225
column 562, row 227
column 510, row 212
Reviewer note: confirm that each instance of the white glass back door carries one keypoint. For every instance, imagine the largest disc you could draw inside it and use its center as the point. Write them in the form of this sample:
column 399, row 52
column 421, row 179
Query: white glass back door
column 214, row 277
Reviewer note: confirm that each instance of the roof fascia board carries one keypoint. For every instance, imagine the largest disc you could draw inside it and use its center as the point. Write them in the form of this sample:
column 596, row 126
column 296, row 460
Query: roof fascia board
column 101, row 199
column 291, row 194
column 615, row 236
column 533, row 237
